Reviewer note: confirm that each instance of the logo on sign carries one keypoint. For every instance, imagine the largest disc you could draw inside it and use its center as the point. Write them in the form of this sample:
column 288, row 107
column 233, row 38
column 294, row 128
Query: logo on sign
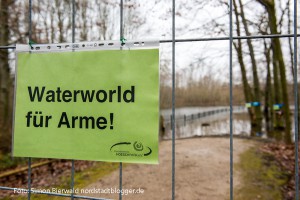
column 135, row 149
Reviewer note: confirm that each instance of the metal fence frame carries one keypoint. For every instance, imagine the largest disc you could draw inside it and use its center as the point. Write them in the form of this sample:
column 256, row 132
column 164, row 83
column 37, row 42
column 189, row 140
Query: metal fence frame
column 173, row 120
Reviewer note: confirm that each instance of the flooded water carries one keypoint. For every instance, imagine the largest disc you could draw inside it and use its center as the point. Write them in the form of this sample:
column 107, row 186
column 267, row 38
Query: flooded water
column 214, row 124
column 210, row 121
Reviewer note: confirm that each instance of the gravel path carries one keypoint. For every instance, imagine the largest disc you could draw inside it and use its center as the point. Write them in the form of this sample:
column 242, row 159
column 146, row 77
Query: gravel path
column 202, row 172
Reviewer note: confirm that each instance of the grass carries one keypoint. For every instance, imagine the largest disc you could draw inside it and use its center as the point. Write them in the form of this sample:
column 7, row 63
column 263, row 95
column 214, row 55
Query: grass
column 7, row 162
column 262, row 178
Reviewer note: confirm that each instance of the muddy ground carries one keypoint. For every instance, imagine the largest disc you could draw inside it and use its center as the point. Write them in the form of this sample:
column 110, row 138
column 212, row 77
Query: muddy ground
column 202, row 172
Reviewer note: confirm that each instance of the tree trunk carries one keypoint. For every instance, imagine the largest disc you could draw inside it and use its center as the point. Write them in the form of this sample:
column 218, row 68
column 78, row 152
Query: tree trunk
column 60, row 21
column 84, row 31
column 277, row 89
column 5, row 80
column 292, row 59
column 246, row 87
column 278, row 56
column 256, row 85
column 269, row 111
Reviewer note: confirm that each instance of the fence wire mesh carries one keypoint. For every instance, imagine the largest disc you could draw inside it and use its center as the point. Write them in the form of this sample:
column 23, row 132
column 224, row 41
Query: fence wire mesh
column 173, row 117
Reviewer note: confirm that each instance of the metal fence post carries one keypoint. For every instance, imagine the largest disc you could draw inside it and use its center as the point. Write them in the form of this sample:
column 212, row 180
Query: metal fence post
column 29, row 159
column 29, row 179
column 121, row 38
column 296, row 104
column 73, row 40
column 173, row 99
column 230, row 96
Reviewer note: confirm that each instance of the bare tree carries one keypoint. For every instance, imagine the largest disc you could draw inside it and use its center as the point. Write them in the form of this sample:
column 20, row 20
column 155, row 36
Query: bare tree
column 83, row 9
column 246, row 87
column 105, row 22
column 256, row 84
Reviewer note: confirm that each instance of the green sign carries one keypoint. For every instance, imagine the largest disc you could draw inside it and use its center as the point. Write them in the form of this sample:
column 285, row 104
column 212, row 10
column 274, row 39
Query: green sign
column 88, row 105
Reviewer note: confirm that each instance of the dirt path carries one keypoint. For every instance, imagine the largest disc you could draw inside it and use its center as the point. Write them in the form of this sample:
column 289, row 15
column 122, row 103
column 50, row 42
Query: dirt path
column 202, row 171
